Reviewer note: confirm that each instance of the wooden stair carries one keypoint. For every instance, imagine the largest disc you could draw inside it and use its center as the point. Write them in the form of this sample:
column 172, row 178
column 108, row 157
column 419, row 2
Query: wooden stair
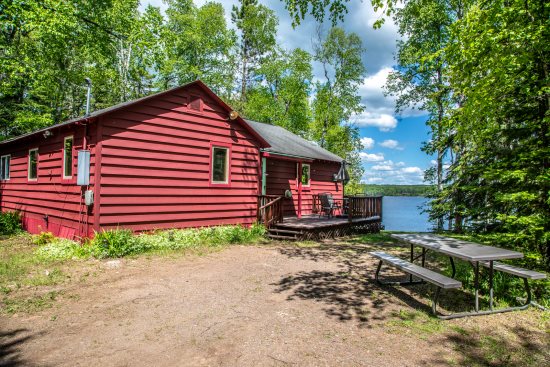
column 280, row 234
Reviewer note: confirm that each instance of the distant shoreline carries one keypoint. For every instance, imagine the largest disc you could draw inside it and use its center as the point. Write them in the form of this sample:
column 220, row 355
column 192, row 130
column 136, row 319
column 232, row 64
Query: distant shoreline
column 397, row 190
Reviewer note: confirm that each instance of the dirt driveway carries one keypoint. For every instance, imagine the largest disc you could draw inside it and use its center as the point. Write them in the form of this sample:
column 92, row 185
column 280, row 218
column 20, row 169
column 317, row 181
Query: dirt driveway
column 258, row 306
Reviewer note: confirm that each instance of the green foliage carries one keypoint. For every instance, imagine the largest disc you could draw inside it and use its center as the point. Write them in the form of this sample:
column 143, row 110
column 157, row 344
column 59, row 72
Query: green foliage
column 122, row 242
column 10, row 223
column 43, row 238
column 337, row 96
column 281, row 94
column 258, row 27
column 397, row 190
column 115, row 243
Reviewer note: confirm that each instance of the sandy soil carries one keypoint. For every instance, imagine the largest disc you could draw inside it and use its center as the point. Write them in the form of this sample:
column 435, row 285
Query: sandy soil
column 247, row 306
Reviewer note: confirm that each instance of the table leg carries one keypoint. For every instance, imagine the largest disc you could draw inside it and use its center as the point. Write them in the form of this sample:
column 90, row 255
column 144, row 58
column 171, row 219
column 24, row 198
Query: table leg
column 412, row 259
column 423, row 256
column 491, row 285
column 453, row 266
column 476, row 285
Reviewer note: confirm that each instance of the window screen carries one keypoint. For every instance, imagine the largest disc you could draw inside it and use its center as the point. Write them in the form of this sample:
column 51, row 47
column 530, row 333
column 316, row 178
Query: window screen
column 33, row 164
column 68, row 157
column 5, row 167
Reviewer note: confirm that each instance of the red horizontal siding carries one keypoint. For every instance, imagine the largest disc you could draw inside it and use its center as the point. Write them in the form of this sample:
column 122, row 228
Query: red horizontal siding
column 155, row 167
column 281, row 176
column 50, row 196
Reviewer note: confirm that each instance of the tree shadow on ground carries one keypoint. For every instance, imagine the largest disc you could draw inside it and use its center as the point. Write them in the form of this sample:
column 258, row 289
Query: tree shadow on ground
column 10, row 347
column 514, row 346
column 351, row 292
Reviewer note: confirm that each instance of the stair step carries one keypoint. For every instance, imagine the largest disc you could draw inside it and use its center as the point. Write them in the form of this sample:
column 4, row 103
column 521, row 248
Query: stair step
column 277, row 237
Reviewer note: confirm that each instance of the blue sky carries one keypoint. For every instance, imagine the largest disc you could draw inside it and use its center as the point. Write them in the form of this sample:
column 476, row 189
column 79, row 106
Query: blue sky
column 392, row 142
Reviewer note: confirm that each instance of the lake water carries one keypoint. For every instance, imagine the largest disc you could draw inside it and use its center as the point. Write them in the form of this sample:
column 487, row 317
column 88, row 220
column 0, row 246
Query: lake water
column 402, row 213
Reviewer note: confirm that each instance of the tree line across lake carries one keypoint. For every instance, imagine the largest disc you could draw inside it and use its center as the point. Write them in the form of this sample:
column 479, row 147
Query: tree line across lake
column 396, row 190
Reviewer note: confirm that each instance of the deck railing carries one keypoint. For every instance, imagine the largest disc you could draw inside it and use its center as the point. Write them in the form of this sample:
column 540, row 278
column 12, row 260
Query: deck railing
column 270, row 210
column 363, row 206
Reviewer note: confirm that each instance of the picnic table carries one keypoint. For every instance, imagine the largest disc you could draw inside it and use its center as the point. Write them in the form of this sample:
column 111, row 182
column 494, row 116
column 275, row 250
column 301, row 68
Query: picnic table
column 476, row 254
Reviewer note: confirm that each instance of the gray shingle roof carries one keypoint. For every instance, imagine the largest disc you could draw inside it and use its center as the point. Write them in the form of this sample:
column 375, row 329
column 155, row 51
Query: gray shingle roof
column 284, row 142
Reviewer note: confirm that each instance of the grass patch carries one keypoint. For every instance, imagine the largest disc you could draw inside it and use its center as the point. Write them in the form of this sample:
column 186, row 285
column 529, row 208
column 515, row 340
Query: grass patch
column 416, row 321
column 382, row 238
column 46, row 278
column 30, row 304
column 121, row 242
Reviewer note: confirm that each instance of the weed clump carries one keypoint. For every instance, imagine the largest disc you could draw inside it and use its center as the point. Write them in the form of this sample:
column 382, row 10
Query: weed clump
column 115, row 243
column 10, row 223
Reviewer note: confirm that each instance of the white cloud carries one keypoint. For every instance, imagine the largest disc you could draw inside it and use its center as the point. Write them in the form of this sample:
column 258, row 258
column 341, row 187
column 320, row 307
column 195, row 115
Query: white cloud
column 383, row 122
column 417, row 170
column 382, row 167
column 388, row 172
column 368, row 143
column 373, row 179
column 391, row 144
column 374, row 157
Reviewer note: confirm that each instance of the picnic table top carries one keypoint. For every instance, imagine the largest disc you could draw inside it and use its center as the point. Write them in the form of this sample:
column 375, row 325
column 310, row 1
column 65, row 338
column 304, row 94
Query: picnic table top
column 469, row 251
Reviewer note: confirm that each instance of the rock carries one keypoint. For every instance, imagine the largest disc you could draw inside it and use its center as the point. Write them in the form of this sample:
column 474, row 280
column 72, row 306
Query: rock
column 113, row 264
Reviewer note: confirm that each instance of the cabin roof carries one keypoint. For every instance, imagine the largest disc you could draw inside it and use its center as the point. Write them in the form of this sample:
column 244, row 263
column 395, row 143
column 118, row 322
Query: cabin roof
column 119, row 106
column 285, row 143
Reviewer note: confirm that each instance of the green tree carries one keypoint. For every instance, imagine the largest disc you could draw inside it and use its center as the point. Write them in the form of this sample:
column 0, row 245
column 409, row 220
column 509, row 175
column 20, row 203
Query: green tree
column 501, row 62
column 199, row 45
column 337, row 96
column 281, row 94
column 421, row 79
column 257, row 25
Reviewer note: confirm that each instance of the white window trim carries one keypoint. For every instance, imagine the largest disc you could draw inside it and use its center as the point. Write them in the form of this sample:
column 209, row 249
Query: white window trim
column 300, row 175
column 29, row 165
column 64, row 141
column 2, row 167
column 226, row 181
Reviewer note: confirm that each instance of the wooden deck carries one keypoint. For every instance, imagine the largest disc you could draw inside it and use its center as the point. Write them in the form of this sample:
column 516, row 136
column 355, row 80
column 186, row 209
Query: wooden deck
column 315, row 227
column 313, row 221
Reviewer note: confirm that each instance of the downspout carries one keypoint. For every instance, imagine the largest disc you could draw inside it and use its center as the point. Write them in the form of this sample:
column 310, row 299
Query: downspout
column 264, row 176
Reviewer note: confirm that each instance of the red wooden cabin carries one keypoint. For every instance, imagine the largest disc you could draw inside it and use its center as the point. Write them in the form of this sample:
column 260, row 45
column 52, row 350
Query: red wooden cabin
column 174, row 159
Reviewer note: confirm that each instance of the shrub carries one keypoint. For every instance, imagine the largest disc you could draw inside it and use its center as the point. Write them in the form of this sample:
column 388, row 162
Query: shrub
column 43, row 238
column 10, row 223
column 113, row 243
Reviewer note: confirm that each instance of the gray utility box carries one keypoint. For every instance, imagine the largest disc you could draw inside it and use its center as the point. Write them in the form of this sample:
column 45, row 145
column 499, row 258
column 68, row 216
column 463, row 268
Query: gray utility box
column 88, row 197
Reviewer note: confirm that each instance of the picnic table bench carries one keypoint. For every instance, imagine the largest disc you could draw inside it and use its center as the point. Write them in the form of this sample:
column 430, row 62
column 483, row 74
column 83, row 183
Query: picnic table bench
column 439, row 280
column 474, row 253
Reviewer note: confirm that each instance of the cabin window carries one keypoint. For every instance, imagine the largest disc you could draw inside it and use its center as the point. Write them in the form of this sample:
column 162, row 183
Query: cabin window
column 33, row 164
column 306, row 173
column 68, row 157
column 5, row 167
column 220, row 165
